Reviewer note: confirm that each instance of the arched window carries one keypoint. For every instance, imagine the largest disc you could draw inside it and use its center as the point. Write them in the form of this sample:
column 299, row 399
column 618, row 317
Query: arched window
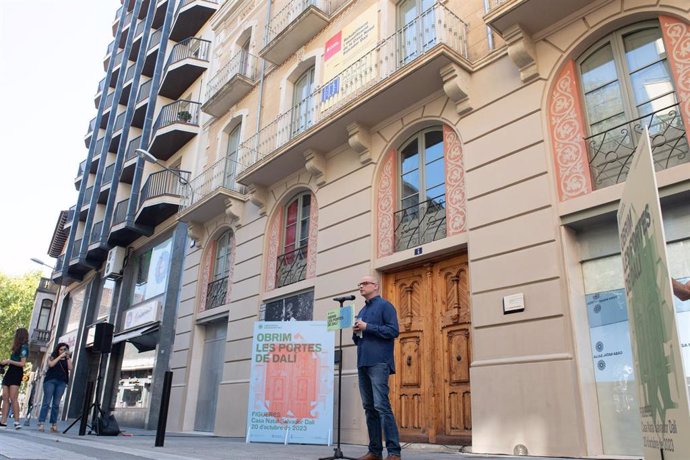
column 291, row 265
column 627, row 85
column 220, row 270
column 302, row 102
column 44, row 314
column 421, row 217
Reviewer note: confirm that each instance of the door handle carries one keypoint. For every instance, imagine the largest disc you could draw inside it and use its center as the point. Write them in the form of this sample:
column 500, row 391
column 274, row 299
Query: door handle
column 459, row 357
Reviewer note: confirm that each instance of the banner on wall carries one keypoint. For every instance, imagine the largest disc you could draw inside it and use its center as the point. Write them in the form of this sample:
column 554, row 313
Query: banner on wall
column 291, row 383
column 343, row 50
column 661, row 386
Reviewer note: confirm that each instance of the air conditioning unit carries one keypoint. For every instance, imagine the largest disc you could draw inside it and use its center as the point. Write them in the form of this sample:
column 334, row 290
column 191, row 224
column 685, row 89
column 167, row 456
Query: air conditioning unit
column 115, row 262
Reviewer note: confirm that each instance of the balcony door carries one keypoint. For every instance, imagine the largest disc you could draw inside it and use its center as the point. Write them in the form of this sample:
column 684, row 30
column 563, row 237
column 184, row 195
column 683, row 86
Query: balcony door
column 232, row 157
column 292, row 264
column 416, row 30
column 626, row 85
column 302, row 101
column 430, row 390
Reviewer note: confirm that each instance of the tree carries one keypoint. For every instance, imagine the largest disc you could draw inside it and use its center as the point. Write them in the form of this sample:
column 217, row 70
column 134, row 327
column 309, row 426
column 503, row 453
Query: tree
column 16, row 304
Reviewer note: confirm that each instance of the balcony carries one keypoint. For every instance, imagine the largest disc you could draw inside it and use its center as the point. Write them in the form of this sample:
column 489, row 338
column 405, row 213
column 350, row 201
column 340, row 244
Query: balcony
column 57, row 273
column 177, row 124
column 216, row 293
column 98, row 248
column 108, row 53
column 125, row 29
column 230, row 84
column 136, row 41
column 420, row 224
column 117, row 132
column 207, row 193
column 117, row 65
column 187, row 61
column 99, row 93
column 40, row 337
column 70, row 216
column 106, row 183
column 106, row 110
column 142, row 103
column 292, row 26
column 86, row 202
column 122, row 233
column 130, row 163
column 89, row 132
column 531, row 16
column 127, row 85
column 97, row 152
column 160, row 197
column 291, row 267
column 116, row 21
column 77, row 267
column 151, row 53
column 159, row 15
column 399, row 71
column 191, row 16
column 610, row 152
column 80, row 174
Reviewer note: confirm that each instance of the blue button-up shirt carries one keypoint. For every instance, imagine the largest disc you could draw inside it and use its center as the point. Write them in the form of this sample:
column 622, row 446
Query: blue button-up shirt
column 376, row 344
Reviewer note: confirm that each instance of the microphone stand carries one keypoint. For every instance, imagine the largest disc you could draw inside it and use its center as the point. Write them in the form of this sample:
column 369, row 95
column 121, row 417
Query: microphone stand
column 337, row 451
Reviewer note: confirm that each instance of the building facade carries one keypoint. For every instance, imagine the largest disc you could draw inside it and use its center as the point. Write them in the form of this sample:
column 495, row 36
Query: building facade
column 464, row 152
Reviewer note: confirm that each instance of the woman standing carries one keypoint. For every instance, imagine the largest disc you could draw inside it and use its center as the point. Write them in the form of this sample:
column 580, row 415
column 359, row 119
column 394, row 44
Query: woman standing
column 54, row 384
column 13, row 376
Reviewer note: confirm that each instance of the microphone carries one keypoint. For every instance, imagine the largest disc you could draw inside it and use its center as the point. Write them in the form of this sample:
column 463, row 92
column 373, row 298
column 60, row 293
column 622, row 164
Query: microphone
column 344, row 298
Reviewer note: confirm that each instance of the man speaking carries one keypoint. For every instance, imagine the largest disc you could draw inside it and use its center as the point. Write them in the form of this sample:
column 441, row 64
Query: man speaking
column 375, row 330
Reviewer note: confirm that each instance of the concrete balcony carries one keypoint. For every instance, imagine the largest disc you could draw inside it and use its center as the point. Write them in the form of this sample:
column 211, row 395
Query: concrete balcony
column 99, row 93
column 98, row 246
column 123, row 233
column 206, row 195
column 136, row 41
column 106, row 183
column 130, row 163
column 89, row 132
column 117, row 132
column 127, row 85
column 187, row 61
column 160, row 196
column 106, row 110
column 400, row 70
column 152, row 49
column 191, row 16
column 177, row 124
column 531, row 16
column 76, row 265
column 293, row 25
column 141, row 104
column 230, row 84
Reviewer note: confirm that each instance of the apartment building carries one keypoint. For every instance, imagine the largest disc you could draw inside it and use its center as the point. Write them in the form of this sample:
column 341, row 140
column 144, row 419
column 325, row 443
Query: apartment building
column 468, row 153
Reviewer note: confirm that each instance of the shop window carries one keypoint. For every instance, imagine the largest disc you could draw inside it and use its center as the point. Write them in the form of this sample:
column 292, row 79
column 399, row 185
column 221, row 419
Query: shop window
column 421, row 217
column 44, row 314
column 152, row 266
column 299, row 307
column 292, row 263
column 416, row 29
column 106, row 301
column 626, row 86
column 217, row 291
column 302, row 116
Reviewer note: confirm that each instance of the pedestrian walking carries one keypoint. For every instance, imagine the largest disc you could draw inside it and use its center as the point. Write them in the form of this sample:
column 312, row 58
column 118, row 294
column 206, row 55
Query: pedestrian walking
column 13, row 376
column 54, row 383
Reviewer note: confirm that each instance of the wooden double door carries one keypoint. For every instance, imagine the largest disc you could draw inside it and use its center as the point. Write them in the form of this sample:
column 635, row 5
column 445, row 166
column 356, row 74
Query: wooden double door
column 430, row 391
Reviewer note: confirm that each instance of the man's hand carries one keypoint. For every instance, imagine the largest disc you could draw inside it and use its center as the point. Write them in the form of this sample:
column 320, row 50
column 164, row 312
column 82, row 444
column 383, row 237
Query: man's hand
column 359, row 326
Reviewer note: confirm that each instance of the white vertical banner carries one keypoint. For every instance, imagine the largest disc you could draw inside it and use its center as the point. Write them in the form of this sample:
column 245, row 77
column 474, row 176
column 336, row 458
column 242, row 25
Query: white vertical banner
column 661, row 387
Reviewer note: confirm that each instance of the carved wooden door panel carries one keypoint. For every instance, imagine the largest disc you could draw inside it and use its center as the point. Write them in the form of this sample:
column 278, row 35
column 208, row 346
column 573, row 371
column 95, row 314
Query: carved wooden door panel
column 430, row 392
column 451, row 298
column 411, row 395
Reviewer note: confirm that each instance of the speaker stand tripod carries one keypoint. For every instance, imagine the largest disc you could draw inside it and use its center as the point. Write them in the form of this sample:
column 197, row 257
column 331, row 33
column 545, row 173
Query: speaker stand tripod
column 337, row 451
column 95, row 405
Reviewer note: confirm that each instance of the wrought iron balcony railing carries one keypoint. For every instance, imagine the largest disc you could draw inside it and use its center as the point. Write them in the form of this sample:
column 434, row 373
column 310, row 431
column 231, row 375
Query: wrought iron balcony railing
column 108, row 174
column 610, row 152
column 144, row 91
column 120, row 213
column 436, row 26
column 216, row 293
column 187, row 2
column 154, row 40
column 420, row 224
column 242, row 63
column 40, row 336
column 222, row 173
column 96, row 231
column 291, row 267
column 291, row 11
column 192, row 47
column 164, row 182
column 178, row 112
column 134, row 144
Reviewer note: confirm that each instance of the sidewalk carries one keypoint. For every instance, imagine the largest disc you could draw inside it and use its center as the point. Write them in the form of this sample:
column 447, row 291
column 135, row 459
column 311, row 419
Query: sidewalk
column 29, row 443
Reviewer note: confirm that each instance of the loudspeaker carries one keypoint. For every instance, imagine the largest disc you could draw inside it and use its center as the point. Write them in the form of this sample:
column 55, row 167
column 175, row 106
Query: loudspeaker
column 103, row 338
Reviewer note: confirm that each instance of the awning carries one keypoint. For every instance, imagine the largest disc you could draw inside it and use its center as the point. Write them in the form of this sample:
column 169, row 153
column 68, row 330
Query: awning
column 145, row 337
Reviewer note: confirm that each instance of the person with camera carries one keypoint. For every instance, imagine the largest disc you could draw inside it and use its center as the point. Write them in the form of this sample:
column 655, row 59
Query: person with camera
column 54, row 384
column 14, row 375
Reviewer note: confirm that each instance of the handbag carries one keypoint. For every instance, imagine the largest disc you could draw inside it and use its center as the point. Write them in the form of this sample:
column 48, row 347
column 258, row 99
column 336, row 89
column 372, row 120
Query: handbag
column 107, row 425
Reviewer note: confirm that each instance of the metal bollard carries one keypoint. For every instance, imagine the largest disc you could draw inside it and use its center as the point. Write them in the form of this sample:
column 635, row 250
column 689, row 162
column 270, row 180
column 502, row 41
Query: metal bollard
column 163, row 414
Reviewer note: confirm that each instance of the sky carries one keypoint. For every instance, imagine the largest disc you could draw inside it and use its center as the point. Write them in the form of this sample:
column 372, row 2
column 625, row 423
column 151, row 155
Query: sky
column 51, row 60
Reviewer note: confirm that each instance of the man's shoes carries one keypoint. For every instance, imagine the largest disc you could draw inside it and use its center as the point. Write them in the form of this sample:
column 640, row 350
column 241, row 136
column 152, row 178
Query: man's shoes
column 393, row 457
column 370, row 456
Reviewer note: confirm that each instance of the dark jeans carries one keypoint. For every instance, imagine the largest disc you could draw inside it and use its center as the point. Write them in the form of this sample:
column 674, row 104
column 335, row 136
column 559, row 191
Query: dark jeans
column 373, row 387
column 52, row 391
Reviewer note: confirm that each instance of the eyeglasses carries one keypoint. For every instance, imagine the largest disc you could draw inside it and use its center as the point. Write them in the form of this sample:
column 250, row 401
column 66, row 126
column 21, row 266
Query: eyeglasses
column 364, row 283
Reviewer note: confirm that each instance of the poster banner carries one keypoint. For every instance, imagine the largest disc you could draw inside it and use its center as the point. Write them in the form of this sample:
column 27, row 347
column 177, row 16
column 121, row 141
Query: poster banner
column 341, row 318
column 661, row 387
column 291, row 384
column 343, row 50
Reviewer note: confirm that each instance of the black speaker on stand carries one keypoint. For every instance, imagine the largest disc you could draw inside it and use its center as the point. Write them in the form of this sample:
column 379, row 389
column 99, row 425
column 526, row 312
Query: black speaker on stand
column 102, row 344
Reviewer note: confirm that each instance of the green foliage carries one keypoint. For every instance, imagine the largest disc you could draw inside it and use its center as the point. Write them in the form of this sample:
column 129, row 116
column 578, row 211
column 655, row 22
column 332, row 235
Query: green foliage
column 16, row 305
